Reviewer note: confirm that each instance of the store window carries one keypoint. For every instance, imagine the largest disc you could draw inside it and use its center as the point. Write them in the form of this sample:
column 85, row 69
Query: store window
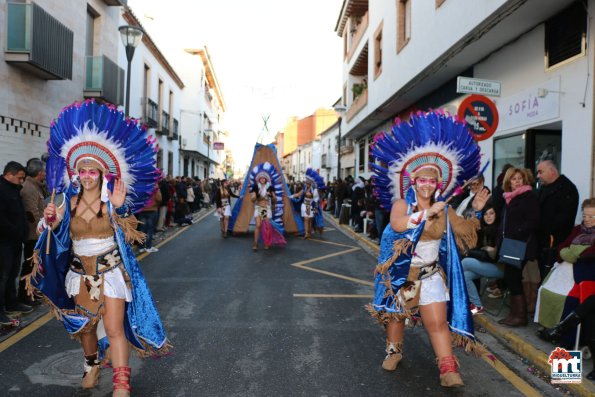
column 526, row 150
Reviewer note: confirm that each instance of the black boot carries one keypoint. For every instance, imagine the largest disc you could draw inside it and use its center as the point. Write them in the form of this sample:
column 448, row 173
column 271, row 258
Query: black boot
column 591, row 375
column 555, row 333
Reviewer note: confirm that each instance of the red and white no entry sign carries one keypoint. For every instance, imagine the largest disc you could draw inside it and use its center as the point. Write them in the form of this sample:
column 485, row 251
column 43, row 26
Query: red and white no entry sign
column 481, row 116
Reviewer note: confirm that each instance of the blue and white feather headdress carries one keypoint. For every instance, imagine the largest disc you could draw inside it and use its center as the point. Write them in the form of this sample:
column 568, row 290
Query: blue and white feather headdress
column 100, row 134
column 316, row 180
column 429, row 140
column 269, row 172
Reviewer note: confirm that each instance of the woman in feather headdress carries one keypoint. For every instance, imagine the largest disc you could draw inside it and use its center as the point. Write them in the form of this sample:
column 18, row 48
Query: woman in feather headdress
column 309, row 198
column 419, row 271
column 266, row 194
column 85, row 267
column 223, row 196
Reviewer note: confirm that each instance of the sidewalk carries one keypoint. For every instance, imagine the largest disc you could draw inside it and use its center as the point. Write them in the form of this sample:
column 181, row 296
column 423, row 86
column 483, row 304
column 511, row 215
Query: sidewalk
column 39, row 313
column 522, row 340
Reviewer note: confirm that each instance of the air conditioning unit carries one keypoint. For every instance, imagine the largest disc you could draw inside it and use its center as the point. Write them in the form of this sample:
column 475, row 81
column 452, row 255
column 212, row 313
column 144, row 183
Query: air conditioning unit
column 183, row 142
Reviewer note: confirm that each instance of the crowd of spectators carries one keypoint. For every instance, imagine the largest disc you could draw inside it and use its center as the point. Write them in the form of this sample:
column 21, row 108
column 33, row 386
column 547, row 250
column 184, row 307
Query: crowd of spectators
column 23, row 197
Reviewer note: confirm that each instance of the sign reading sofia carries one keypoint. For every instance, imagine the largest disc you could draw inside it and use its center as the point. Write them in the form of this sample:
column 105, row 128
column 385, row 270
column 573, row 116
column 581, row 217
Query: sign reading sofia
column 531, row 106
column 481, row 116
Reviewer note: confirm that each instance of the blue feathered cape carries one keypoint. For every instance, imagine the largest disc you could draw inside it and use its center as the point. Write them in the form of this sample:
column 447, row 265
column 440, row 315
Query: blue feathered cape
column 386, row 306
column 142, row 324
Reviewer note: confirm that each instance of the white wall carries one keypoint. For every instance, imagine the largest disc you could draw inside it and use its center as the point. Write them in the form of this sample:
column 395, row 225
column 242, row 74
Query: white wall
column 143, row 56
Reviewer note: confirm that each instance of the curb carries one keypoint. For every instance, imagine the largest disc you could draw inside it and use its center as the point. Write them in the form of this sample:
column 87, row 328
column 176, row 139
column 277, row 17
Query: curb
column 529, row 352
column 517, row 344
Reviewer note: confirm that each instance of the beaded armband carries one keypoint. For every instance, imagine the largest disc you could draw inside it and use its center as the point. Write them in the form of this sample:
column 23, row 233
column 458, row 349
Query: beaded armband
column 123, row 211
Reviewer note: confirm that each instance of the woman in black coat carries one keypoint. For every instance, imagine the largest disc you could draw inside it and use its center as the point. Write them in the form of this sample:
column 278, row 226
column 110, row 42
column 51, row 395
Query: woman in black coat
column 520, row 221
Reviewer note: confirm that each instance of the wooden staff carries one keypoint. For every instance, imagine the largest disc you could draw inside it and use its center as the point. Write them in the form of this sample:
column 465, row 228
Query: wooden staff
column 47, row 245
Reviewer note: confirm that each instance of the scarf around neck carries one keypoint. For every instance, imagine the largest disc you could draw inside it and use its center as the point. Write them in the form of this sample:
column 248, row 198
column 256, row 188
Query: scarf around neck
column 586, row 236
column 508, row 196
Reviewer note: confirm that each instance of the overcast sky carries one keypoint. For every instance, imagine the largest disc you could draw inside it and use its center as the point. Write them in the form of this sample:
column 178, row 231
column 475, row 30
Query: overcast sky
column 277, row 57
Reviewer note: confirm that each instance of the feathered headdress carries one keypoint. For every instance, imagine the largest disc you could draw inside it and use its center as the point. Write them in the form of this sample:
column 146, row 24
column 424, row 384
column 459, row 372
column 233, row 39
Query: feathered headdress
column 268, row 171
column 90, row 132
column 315, row 179
column 429, row 140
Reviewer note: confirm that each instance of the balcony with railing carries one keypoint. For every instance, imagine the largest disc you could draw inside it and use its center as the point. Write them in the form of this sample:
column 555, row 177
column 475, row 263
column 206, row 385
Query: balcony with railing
column 359, row 102
column 164, row 130
column 174, row 134
column 346, row 146
column 37, row 42
column 359, row 25
column 116, row 2
column 104, row 79
column 151, row 113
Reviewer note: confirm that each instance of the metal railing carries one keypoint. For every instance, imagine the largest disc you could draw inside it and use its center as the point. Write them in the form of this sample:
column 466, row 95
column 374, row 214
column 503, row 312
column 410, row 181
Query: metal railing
column 164, row 122
column 40, row 41
column 175, row 134
column 151, row 113
column 104, row 79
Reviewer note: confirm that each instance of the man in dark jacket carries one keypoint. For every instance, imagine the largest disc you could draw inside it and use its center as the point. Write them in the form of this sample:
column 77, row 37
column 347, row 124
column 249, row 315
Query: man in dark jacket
column 558, row 201
column 13, row 232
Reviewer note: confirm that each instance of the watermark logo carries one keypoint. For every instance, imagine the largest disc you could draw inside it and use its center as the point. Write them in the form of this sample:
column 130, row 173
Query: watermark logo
column 566, row 366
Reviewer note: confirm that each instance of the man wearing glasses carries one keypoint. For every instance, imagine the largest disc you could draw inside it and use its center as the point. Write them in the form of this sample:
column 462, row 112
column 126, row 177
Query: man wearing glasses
column 558, row 201
column 465, row 209
column 13, row 232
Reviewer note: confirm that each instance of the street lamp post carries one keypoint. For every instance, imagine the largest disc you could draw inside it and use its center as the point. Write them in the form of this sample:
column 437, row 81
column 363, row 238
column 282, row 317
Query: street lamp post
column 131, row 37
column 339, row 109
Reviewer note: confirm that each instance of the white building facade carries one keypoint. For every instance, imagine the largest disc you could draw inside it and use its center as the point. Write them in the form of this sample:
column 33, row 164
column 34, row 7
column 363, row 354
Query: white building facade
column 403, row 56
column 155, row 96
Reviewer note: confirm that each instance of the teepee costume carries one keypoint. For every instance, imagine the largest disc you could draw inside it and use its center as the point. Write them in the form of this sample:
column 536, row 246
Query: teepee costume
column 268, row 205
column 310, row 202
column 92, row 260
column 421, row 264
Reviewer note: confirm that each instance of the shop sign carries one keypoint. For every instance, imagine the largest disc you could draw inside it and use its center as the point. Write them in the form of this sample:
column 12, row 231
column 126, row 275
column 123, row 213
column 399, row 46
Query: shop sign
column 469, row 85
column 218, row 145
column 531, row 106
column 481, row 116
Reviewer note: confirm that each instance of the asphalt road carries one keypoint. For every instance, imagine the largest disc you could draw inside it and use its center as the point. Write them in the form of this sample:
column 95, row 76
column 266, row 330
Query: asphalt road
column 284, row 322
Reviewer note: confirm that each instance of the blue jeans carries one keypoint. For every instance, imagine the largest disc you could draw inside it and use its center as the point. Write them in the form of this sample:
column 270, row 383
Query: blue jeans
column 149, row 219
column 475, row 269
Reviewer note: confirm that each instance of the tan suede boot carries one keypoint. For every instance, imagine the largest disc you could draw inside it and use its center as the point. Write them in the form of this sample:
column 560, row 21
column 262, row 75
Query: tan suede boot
column 394, row 354
column 449, row 372
column 92, row 371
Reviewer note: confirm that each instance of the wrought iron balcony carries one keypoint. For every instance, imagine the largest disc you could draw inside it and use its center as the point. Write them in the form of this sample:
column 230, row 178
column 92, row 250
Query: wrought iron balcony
column 174, row 135
column 37, row 42
column 164, row 123
column 151, row 113
column 116, row 2
column 104, row 79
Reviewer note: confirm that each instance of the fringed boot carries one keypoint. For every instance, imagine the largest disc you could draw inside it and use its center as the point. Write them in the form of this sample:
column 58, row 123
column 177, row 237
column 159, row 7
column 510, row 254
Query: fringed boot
column 449, row 372
column 121, row 381
column 394, row 354
column 92, row 370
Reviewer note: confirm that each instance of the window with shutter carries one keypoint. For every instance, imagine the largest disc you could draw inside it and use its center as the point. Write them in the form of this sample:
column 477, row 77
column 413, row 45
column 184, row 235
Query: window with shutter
column 565, row 35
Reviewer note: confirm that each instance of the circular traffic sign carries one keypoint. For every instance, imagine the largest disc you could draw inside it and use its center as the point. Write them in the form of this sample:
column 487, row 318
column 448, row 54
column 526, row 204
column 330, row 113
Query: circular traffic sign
column 481, row 116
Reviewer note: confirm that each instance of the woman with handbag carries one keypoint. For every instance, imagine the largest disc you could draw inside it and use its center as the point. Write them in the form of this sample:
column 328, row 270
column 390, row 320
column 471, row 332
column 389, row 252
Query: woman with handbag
column 519, row 225
column 480, row 261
